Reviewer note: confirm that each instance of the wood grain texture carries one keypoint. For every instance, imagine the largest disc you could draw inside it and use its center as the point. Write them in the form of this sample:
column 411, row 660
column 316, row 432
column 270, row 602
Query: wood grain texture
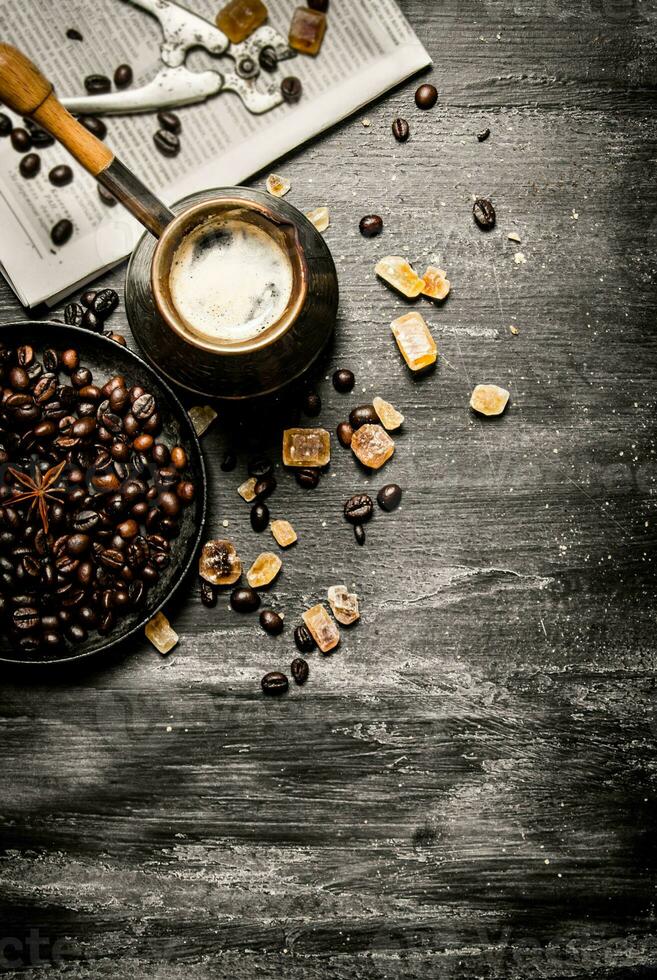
column 467, row 787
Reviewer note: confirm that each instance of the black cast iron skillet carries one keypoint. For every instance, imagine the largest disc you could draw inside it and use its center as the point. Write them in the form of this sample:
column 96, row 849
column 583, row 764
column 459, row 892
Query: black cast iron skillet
column 105, row 358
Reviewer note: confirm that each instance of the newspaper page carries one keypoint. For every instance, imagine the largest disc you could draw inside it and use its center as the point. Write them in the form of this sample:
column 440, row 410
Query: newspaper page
column 368, row 48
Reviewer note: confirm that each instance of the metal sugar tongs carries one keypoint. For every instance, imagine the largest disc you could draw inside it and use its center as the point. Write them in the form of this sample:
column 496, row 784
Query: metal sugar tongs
column 176, row 85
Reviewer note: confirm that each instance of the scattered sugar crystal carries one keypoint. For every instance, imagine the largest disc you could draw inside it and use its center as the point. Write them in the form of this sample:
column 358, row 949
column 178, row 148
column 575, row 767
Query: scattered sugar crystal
column 320, row 218
column 239, row 18
column 366, row 122
column 396, row 271
column 519, row 258
column 306, row 447
column 264, row 570
column 513, row 237
column 372, row 445
column 278, row 186
column 202, row 417
column 344, row 604
column 160, row 634
column 219, row 563
column 324, row 631
column 307, row 30
column 436, row 283
column 390, row 418
column 514, row 330
column 283, row 532
column 414, row 340
column 489, row 399
column 246, row 490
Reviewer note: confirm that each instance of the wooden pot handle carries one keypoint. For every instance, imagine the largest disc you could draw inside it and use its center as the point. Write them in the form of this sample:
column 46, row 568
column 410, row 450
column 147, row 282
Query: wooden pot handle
column 24, row 90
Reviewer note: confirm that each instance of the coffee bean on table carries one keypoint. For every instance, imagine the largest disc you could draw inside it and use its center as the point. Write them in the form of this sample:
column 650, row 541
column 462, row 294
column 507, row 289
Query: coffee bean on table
column 267, row 58
column 61, row 176
column 91, row 322
column 426, row 96
column 21, row 140
column 30, row 165
column 299, row 669
column 320, row 5
column 312, row 404
column 167, row 143
column 363, row 415
column 88, row 297
column 343, row 380
column 483, row 136
column 265, row 487
column 400, row 130
column 359, row 508
column 123, row 76
column 244, row 600
column 259, row 466
column 359, row 534
column 94, row 125
column 259, row 517
column 169, row 121
column 370, row 225
column 208, row 594
column 40, row 138
column 271, row 622
column 304, row 639
column 73, row 314
column 484, row 213
column 74, row 35
column 61, row 232
column 97, row 84
column 105, row 302
column 307, row 477
column 106, row 196
column 6, row 125
column 291, row 89
column 389, row 496
column 274, row 683
column 345, row 434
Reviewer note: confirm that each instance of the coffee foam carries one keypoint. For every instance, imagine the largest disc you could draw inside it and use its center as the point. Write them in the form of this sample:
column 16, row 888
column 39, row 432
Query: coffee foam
column 230, row 280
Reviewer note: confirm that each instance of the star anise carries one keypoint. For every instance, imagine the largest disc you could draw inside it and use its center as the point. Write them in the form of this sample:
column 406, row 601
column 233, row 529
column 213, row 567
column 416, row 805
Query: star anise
column 40, row 489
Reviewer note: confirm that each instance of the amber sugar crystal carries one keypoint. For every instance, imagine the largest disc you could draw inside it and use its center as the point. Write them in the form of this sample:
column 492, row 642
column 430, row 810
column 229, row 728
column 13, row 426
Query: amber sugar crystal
column 306, row 447
column 489, row 399
column 307, row 30
column 284, row 533
column 436, row 283
column 414, row 340
column 239, row 18
column 324, row 631
column 344, row 604
column 219, row 563
column 160, row 634
column 372, row 445
column 396, row 271
column 264, row 570
column 389, row 417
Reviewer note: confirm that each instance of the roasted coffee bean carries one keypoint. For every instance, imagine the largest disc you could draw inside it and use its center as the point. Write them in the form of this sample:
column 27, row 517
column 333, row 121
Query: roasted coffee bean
column 123, row 76
column 19, row 378
column 259, row 467
column 106, row 196
column 143, row 442
column 400, row 130
column 426, row 96
column 21, row 140
column 267, row 58
column 161, row 454
column 119, row 401
column 304, row 639
column 307, row 478
column 87, row 298
column 299, row 669
column 291, row 89
column 153, row 425
column 389, row 496
column 30, row 165
column 370, row 225
column 74, row 35
column 73, row 314
column 208, row 594
column 84, row 428
column 179, row 457
column 484, row 213
column 169, row 121
column 312, row 404
column 343, row 380
column 244, row 600
column 143, row 407
column 483, row 136
column 81, row 377
column 91, row 322
column 271, row 622
column 61, row 176
column 86, row 521
column 169, row 504
column 97, row 84
column 78, row 544
column 359, row 508
column 320, row 5
column 50, row 359
column 259, row 517
column 363, row 415
column 25, row 355
column 359, row 534
column 265, row 487
column 274, row 683
column 6, row 124
column 229, row 462
column 167, row 143
column 61, row 232
column 344, row 433
column 26, row 618
column 128, row 529
column 94, row 125
column 41, row 139
column 105, row 302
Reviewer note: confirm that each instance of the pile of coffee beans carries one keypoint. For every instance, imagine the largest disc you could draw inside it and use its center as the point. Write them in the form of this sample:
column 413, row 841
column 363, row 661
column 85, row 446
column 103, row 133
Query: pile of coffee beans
column 90, row 500
column 93, row 310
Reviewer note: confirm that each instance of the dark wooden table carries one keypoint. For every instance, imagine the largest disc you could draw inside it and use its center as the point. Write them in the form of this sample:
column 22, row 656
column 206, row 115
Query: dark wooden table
column 467, row 787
